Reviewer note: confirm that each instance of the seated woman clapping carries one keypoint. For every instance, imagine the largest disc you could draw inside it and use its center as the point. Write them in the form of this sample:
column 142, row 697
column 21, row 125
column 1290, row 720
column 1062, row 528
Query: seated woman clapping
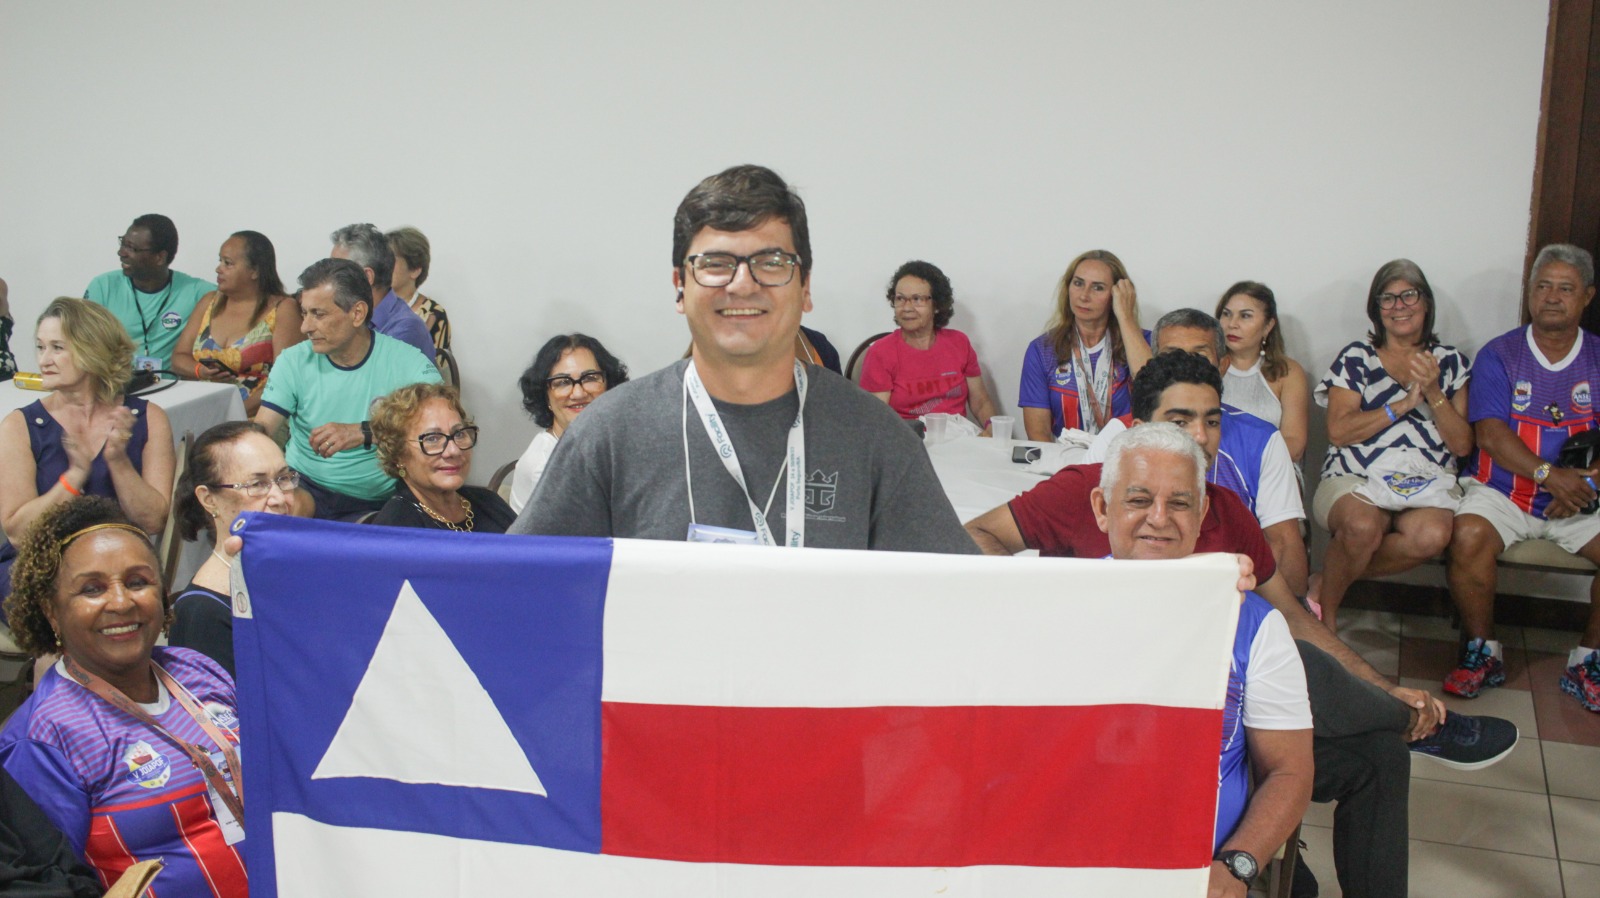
column 131, row 749
column 232, row 468
column 1400, row 393
column 425, row 439
column 86, row 436
column 925, row 367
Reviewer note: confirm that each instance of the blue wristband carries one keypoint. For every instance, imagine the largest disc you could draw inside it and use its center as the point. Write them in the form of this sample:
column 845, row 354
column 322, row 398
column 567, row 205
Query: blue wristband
column 1390, row 412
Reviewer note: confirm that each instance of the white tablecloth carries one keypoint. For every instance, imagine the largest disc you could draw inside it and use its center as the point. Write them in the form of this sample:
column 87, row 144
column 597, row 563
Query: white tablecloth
column 978, row 475
column 191, row 407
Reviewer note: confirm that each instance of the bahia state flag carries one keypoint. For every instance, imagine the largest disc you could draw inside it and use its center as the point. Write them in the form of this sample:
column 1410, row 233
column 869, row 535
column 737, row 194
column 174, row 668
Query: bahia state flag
column 444, row 714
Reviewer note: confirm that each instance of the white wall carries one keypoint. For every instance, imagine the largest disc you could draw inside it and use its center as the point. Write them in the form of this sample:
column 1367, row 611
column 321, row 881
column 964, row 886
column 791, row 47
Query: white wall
column 544, row 146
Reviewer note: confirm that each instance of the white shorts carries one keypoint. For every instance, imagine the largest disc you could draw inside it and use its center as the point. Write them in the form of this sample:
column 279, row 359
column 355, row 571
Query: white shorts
column 1515, row 525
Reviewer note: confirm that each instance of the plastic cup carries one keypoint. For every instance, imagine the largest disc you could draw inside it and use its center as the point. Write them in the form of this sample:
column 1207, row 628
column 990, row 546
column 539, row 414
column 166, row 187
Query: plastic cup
column 936, row 428
column 1000, row 428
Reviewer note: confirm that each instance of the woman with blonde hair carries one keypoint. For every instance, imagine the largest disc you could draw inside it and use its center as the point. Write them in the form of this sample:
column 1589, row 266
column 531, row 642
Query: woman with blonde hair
column 85, row 436
column 1076, row 375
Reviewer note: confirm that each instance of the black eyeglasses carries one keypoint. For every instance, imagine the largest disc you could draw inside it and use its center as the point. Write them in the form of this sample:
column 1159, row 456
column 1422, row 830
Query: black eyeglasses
column 434, row 443
column 288, row 482
column 590, row 379
column 1404, row 298
column 771, row 268
column 122, row 243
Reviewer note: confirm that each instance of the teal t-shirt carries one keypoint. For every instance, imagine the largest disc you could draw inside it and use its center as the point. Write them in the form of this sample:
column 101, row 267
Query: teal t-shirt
column 153, row 320
column 310, row 390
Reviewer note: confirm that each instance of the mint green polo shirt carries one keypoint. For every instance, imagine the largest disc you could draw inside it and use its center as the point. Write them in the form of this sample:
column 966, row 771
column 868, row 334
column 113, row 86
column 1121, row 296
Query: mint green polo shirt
column 310, row 390
column 153, row 320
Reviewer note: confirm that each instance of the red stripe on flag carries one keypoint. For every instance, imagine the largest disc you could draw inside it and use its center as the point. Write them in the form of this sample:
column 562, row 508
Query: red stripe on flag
column 1088, row 786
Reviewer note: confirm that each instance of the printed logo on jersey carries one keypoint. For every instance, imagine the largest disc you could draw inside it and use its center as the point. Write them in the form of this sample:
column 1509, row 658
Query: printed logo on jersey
column 822, row 491
column 1407, row 485
column 1580, row 397
column 222, row 715
column 1522, row 395
column 146, row 766
column 172, row 321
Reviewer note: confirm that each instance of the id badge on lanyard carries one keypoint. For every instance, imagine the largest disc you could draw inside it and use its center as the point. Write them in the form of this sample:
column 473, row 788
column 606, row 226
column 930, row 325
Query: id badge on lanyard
column 794, row 466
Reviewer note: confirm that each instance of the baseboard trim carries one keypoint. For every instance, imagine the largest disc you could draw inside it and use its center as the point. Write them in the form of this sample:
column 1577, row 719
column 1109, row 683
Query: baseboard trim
column 1434, row 601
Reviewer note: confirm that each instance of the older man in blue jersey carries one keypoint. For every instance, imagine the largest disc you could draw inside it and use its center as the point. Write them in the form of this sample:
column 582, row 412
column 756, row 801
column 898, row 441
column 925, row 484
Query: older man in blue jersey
column 1150, row 504
column 1532, row 391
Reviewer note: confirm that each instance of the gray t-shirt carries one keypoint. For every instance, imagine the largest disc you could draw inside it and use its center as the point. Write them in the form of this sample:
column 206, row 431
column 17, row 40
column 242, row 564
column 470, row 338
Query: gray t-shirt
column 619, row 470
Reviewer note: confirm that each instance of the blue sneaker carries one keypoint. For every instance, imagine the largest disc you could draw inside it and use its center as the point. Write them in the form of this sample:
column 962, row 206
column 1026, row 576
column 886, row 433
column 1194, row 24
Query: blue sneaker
column 1468, row 743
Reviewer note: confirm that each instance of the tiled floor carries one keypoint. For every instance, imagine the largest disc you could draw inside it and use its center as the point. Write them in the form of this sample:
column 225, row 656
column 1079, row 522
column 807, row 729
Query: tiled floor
column 1530, row 825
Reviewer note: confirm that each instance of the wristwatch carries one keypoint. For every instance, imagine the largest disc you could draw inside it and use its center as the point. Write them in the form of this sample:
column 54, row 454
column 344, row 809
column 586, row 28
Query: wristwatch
column 366, row 434
column 1541, row 473
column 1242, row 864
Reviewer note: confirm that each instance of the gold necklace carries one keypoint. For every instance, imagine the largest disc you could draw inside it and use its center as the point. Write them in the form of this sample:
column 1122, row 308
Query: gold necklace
column 464, row 527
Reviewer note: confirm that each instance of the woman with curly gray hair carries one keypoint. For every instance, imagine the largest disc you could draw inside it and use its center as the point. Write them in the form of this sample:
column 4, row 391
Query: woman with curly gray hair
column 424, row 439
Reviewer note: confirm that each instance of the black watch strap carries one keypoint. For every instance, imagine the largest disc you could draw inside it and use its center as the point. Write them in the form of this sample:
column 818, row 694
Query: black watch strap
column 366, row 434
column 1242, row 864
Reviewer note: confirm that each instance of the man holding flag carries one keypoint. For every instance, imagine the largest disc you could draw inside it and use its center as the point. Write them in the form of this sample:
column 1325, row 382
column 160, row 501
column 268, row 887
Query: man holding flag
column 774, row 451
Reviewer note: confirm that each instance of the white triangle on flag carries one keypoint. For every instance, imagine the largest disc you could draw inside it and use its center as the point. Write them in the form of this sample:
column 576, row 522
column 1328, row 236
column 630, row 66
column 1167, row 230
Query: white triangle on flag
column 420, row 715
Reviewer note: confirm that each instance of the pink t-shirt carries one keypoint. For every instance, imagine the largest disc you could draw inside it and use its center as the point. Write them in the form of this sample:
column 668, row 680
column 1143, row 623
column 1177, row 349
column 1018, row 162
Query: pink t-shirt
column 921, row 381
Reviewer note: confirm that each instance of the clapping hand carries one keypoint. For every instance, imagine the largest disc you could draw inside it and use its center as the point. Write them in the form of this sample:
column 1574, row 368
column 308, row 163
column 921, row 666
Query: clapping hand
column 122, row 422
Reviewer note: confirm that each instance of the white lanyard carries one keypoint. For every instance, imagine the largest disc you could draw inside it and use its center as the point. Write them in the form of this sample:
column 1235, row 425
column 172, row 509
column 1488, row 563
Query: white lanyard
column 794, row 462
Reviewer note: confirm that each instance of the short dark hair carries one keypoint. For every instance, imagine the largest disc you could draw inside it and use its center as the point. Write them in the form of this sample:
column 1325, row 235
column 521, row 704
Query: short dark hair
column 348, row 279
column 163, row 233
column 944, row 296
column 532, row 380
column 739, row 199
column 1171, row 367
column 203, row 467
column 369, row 249
column 1399, row 270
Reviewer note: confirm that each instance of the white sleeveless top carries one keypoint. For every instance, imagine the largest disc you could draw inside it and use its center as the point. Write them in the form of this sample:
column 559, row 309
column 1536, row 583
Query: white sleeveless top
column 1246, row 389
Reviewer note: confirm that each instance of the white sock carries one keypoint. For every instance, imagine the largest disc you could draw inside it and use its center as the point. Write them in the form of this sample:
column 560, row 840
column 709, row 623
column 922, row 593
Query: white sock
column 1576, row 656
column 1494, row 648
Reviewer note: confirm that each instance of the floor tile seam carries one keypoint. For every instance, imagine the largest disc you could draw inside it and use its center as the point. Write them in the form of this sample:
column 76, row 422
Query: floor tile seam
column 1543, row 857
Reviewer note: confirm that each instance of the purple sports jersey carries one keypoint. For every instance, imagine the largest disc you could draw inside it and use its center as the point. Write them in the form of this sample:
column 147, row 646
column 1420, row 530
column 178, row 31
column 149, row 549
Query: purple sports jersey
column 123, row 793
column 1542, row 406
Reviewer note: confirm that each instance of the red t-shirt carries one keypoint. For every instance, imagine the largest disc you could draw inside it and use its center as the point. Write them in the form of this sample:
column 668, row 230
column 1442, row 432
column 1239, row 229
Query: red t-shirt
column 921, row 381
column 1055, row 518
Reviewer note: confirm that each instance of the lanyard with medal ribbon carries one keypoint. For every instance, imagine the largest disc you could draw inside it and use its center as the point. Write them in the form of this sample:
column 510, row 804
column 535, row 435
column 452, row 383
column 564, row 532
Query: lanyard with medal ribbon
column 794, row 461
column 231, row 796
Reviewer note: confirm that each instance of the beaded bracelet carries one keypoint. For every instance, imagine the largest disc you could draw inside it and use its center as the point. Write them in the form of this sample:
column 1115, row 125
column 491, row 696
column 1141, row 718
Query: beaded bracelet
column 1390, row 412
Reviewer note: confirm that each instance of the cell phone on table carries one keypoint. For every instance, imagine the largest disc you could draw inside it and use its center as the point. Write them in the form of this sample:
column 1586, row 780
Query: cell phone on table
column 215, row 365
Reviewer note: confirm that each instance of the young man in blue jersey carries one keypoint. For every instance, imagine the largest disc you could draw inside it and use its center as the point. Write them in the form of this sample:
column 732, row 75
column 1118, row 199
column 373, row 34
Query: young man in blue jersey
column 1248, row 455
column 1531, row 391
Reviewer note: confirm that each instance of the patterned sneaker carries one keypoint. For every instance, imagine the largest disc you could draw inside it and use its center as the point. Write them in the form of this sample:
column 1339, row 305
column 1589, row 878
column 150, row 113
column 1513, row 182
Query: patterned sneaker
column 1478, row 670
column 1582, row 681
column 1468, row 743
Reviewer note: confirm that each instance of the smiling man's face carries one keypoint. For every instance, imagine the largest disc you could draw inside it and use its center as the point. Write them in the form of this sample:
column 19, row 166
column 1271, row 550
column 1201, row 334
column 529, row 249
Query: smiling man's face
column 1153, row 511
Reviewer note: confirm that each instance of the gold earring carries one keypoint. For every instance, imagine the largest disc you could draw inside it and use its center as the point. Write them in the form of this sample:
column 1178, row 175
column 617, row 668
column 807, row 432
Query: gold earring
column 402, row 472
